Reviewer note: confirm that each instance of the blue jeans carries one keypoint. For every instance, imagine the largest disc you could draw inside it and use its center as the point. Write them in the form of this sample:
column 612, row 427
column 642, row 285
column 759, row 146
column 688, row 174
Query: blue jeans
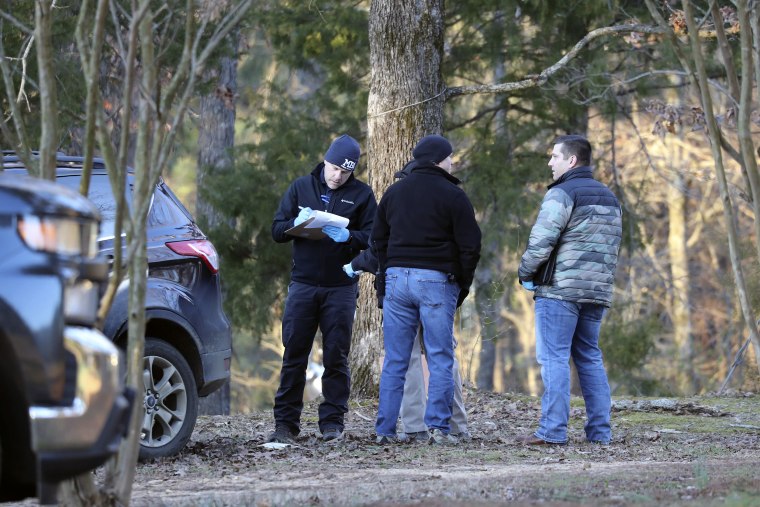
column 412, row 296
column 566, row 329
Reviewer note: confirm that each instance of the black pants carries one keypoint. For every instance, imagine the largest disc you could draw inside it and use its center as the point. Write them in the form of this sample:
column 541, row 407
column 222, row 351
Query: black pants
column 306, row 308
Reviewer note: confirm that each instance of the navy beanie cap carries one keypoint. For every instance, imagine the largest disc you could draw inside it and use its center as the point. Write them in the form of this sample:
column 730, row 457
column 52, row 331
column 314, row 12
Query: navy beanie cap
column 344, row 152
column 432, row 148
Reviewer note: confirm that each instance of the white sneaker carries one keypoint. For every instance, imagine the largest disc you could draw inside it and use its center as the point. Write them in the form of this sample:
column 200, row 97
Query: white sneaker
column 439, row 438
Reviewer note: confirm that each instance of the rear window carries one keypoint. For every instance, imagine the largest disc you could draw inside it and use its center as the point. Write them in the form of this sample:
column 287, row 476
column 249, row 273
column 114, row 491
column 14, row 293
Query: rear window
column 100, row 194
column 164, row 211
column 165, row 208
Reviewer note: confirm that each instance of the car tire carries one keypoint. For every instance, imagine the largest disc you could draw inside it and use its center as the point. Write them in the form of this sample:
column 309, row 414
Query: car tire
column 17, row 461
column 170, row 402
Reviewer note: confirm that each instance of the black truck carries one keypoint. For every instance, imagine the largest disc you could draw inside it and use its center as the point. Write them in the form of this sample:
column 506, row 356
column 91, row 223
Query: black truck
column 64, row 409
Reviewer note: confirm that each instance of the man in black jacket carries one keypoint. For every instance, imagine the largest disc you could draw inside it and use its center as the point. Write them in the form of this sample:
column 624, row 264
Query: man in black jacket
column 320, row 294
column 428, row 245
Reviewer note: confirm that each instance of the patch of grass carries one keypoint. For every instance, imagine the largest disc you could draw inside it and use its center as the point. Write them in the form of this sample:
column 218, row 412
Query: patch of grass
column 636, row 497
column 741, row 499
column 701, row 475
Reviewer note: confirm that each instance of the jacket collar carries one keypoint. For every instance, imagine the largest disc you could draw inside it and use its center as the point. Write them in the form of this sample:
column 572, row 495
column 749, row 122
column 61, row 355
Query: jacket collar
column 583, row 171
column 427, row 168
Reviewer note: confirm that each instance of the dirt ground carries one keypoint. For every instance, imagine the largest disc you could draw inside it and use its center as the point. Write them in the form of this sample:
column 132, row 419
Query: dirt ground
column 697, row 451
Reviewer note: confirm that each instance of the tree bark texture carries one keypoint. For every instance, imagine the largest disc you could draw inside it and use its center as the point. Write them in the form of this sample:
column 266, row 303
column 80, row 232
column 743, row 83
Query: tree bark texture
column 405, row 103
column 216, row 138
column 216, row 135
column 43, row 21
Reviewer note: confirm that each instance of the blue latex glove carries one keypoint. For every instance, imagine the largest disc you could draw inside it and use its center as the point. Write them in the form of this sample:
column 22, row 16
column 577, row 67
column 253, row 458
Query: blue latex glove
column 337, row 234
column 529, row 285
column 302, row 216
column 349, row 270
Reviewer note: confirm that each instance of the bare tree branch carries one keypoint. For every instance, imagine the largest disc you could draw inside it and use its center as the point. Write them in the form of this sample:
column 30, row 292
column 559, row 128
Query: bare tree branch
column 544, row 76
column 16, row 137
column 15, row 22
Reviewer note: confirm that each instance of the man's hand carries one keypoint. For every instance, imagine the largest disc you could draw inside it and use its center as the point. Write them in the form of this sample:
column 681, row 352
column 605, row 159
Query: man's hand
column 350, row 271
column 302, row 216
column 529, row 285
column 337, row 234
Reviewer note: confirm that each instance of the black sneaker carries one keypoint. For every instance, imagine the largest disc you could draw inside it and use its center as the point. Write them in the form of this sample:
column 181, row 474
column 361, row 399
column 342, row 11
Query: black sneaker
column 332, row 433
column 282, row 434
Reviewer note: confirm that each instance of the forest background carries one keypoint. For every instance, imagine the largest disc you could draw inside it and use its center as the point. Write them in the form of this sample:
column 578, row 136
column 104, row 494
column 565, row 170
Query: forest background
column 297, row 74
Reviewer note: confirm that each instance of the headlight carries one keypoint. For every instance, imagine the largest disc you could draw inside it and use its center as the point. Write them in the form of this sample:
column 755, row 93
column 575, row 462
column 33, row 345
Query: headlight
column 59, row 235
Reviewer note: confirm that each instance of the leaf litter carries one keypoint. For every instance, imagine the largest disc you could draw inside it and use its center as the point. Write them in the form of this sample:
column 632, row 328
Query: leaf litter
column 661, row 452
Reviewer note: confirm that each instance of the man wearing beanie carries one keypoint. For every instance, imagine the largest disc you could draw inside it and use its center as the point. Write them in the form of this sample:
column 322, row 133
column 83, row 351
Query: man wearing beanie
column 428, row 245
column 320, row 294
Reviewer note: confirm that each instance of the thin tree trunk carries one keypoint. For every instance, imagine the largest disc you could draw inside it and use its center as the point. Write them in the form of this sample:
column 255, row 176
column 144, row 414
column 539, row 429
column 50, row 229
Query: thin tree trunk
column 745, row 110
column 680, row 283
column 43, row 21
column 487, row 302
column 405, row 103
column 714, row 133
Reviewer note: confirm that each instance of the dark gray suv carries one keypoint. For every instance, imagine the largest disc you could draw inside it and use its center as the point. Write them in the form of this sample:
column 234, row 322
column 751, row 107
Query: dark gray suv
column 188, row 347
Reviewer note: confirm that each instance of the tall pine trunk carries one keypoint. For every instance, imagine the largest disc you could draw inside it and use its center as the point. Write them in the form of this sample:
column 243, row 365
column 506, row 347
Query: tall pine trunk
column 216, row 138
column 405, row 103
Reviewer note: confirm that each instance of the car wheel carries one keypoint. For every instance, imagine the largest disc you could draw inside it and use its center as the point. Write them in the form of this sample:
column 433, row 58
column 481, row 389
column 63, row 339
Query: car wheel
column 170, row 403
column 17, row 477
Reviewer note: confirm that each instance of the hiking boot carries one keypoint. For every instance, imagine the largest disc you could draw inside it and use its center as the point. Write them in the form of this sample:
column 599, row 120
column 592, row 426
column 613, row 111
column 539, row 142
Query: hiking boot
column 282, row 434
column 415, row 436
column 463, row 436
column 534, row 440
column 388, row 439
column 437, row 437
column 332, row 433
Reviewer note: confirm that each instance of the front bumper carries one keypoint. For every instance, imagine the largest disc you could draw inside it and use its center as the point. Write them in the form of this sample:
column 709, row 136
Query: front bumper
column 70, row 440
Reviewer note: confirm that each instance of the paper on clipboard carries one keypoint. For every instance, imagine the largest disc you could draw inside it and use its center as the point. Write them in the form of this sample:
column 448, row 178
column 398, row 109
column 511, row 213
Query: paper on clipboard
column 312, row 227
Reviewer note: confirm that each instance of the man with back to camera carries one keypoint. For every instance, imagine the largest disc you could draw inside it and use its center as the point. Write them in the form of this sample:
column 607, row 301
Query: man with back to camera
column 580, row 218
column 320, row 294
column 415, row 394
column 428, row 245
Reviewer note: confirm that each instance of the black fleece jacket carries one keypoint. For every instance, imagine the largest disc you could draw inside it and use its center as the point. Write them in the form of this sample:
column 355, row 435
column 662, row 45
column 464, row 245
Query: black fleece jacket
column 426, row 221
column 320, row 262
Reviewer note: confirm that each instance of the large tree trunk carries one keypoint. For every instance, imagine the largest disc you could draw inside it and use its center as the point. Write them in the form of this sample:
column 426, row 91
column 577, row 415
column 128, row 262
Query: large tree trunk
column 405, row 103
column 216, row 138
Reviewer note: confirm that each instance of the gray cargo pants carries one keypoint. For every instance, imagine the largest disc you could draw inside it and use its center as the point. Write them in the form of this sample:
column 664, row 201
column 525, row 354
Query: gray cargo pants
column 415, row 398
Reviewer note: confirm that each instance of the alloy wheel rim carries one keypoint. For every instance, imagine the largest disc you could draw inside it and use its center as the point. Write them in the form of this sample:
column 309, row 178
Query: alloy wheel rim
column 164, row 404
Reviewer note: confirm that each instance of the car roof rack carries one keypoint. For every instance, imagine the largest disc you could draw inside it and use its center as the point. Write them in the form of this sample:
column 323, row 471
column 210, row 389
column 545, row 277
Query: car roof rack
column 12, row 160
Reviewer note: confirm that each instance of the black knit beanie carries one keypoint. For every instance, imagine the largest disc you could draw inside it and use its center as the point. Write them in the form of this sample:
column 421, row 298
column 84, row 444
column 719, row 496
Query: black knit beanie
column 344, row 152
column 432, row 148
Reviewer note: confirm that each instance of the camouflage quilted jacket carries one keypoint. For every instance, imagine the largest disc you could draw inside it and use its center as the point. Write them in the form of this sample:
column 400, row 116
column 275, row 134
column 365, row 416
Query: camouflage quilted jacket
column 582, row 218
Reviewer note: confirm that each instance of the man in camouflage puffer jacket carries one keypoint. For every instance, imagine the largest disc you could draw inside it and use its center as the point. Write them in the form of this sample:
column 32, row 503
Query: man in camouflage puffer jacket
column 580, row 218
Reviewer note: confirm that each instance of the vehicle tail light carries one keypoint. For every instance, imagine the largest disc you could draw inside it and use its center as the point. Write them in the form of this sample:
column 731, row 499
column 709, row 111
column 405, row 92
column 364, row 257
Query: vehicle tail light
column 201, row 248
